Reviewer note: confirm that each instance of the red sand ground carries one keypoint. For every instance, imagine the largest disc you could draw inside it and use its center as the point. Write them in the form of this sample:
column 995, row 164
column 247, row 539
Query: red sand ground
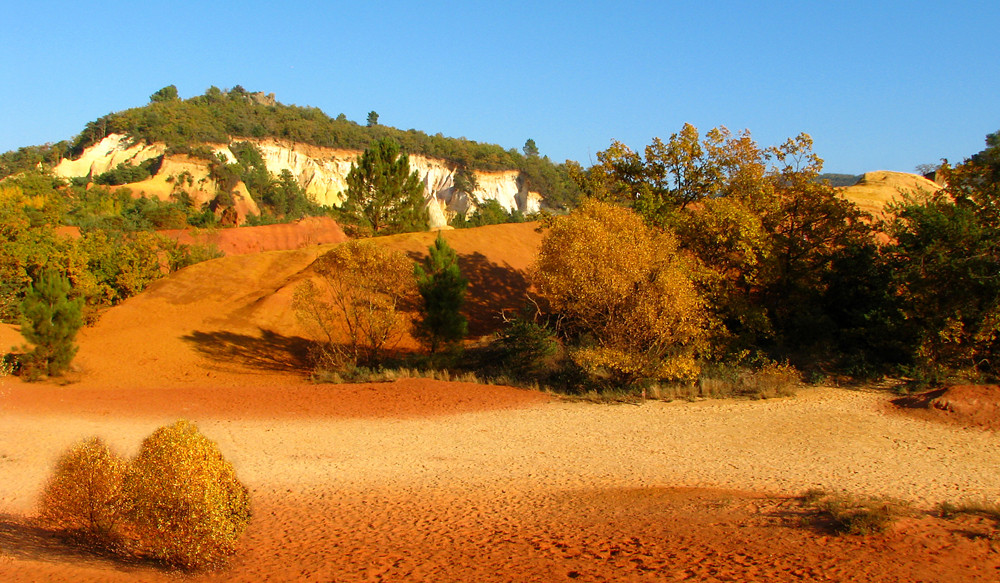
column 216, row 341
column 243, row 240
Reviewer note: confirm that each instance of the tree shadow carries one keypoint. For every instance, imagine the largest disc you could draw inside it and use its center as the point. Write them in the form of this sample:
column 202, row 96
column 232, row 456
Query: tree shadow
column 25, row 539
column 268, row 352
column 493, row 289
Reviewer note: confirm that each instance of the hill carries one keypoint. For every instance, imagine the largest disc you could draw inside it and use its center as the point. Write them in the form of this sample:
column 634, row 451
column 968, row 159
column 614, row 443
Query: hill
column 206, row 322
column 153, row 146
column 877, row 189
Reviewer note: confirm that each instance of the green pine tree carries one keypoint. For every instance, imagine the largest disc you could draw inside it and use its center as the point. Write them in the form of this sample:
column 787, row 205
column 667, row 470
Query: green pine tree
column 50, row 320
column 383, row 196
column 442, row 288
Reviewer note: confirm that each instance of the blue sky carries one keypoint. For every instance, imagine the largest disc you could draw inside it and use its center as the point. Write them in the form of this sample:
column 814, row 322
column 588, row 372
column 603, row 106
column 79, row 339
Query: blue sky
column 878, row 85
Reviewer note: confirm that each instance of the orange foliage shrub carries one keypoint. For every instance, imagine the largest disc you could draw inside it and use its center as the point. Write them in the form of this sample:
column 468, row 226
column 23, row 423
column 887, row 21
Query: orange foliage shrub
column 185, row 506
column 83, row 494
column 624, row 294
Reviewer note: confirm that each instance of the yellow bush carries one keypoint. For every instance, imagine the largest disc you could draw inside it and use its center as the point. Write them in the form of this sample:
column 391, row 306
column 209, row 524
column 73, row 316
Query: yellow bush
column 83, row 494
column 358, row 301
column 185, row 506
column 623, row 289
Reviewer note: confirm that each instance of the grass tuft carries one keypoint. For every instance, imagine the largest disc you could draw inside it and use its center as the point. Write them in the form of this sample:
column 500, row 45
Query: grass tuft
column 846, row 514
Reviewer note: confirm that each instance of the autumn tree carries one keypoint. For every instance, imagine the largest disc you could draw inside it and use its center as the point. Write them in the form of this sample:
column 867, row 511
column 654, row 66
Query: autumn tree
column 383, row 196
column 622, row 293
column 442, row 289
column 357, row 304
column 765, row 228
column 947, row 260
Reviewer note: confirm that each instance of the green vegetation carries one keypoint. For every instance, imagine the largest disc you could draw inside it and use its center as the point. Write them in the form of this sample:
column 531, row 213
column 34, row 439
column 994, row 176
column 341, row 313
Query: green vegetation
column 488, row 213
column 178, row 501
column 383, row 196
column 115, row 256
column 50, row 321
column 442, row 289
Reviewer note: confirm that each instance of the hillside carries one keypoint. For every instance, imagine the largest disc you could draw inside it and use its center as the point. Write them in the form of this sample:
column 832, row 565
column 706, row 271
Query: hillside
column 178, row 143
column 875, row 190
column 320, row 171
column 233, row 314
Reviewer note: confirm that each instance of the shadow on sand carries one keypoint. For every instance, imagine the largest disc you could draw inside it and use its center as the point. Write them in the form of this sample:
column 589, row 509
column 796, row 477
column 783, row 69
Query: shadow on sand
column 268, row 352
column 493, row 289
column 24, row 539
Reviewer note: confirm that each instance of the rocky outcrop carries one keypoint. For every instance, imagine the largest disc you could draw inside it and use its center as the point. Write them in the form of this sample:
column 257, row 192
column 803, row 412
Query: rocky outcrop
column 322, row 172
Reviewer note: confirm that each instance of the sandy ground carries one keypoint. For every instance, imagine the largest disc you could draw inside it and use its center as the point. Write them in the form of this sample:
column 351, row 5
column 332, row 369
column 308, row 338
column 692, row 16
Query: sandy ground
column 430, row 481
column 461, row 482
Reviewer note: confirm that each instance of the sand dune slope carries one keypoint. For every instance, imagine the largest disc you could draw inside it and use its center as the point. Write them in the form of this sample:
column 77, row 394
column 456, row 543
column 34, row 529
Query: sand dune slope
column 234, row 313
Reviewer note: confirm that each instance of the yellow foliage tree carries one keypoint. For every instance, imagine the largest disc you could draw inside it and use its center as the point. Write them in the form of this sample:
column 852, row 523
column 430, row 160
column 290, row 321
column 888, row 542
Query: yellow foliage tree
column 623, row 294
column 357, row 305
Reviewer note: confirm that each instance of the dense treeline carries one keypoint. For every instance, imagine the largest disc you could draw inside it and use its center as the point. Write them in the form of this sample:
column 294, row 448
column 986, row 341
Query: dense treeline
column 784, row 268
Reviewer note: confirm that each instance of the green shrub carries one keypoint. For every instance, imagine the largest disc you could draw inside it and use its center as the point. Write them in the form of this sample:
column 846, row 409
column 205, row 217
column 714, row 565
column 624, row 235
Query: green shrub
column 83, row 494
column 522, row 349
column 185, row 506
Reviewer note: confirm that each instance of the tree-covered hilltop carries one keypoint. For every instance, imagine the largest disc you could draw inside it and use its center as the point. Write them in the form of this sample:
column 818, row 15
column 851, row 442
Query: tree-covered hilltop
column 222, row 116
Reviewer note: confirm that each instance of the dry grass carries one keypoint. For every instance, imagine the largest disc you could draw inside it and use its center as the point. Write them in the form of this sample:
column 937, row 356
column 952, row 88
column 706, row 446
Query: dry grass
column 847, row 514
column 987, row 508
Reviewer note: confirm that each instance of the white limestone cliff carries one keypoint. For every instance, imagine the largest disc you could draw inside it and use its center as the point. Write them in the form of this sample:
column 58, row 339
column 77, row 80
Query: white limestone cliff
column 322, row 172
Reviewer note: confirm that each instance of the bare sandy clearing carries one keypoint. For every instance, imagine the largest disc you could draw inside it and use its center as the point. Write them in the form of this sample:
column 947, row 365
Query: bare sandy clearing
column 538, row 491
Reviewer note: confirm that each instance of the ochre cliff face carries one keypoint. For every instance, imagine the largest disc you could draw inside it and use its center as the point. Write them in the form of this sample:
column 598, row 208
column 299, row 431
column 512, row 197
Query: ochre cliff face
column 321, row 171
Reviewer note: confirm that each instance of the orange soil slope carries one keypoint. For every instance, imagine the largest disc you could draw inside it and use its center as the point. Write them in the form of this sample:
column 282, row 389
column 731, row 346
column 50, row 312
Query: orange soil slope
column 243, row 240
column 233, row 315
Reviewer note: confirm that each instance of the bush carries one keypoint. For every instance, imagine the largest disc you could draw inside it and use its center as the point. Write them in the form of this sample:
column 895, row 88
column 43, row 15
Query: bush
column 357, row 305
column 83, row 495
column 521, row 349
column 185, row 506
column 622, row 294
column 851, row 515
column 178, row 501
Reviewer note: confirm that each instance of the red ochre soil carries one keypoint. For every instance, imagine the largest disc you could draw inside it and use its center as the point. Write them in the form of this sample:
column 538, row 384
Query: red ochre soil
column 964, row 405
column 215, row 342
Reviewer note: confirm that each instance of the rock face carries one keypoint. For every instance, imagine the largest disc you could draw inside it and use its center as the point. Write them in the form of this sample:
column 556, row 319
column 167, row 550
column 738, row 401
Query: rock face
column 321, row 171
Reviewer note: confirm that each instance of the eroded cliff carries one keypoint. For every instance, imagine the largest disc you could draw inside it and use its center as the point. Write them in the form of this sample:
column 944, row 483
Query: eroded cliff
column 322, row 172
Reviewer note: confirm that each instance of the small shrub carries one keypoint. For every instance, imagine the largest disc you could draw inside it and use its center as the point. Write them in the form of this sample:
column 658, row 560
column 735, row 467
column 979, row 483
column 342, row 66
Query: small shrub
column 851, row 515
column 185, row 506
column 83, row 494
column 522, row 349
column 768, row 380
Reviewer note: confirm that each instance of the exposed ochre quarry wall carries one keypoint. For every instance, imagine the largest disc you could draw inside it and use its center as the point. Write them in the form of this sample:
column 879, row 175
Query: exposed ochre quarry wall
column 321, row 171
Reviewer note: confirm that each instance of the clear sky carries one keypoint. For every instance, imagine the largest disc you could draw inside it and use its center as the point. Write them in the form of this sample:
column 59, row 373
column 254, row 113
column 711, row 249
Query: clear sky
column 877, row 84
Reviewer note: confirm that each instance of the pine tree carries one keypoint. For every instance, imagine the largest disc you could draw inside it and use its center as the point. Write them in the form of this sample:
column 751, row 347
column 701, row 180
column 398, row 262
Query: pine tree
column 383, row 196
column 50, row 321
column 442, row 288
